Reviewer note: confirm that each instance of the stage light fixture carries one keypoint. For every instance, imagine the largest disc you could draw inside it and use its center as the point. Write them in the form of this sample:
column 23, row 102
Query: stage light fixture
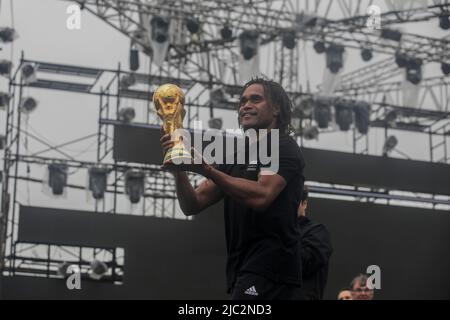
column 344, row 114
column 98, row 269
column 322, row 114
column 127, row 81
column 62, row 269
column 2, row 142
column 362, row 116
column 57, row 177
column 160, row 29
column 4, row 99
column 366, row 54
column 311, row 133
column 445, row 67
column 28, row 73
column 389, row 145
column 335, row 59
column 193, row 25
column 215, row 123
column 444, row 21
column 249, row 44
column 401, row 59
column 319, row 47
column 27, row 105
column 391, row 118
column 226, row 33
column 8, row 34
column 5, row 67
column 98, row 177
column 134, row 58
column 126, row 114
column 134, row 185
column 414, row 71
column 391, row 34
column 289, row 40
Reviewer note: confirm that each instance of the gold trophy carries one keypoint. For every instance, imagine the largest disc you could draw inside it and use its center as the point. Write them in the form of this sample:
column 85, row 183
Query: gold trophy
column 169, row 103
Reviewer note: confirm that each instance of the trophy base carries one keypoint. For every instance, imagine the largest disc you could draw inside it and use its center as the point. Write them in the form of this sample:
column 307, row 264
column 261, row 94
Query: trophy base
column 169, row 165
column 179, row 159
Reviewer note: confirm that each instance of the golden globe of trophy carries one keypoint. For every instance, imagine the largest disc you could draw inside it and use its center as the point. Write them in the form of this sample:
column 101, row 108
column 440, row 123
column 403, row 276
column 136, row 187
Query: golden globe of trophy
column 169, row 103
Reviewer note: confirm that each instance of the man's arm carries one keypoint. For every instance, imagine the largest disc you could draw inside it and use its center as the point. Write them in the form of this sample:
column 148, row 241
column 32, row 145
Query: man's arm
column 257, row 195
column 193, row 201
column 316, row 249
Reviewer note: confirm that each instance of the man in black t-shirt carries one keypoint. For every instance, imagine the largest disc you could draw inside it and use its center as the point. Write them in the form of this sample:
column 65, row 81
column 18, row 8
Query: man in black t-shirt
column 260, row 209
column 316, row 251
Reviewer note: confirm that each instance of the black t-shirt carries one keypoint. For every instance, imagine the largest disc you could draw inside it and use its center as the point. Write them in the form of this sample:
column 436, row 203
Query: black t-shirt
column 266, row 242
column 316, row 250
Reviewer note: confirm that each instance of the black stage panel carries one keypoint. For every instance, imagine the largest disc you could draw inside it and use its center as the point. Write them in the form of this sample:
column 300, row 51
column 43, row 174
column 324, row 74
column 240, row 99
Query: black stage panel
column 141, row 145
column 410, row 245
column 372, row 171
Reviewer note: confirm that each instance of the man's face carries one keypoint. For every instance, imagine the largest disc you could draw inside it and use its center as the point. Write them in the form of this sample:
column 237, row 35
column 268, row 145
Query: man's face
column 254, row 109
column 302, row 208
column 361, row 292
column 345, row 295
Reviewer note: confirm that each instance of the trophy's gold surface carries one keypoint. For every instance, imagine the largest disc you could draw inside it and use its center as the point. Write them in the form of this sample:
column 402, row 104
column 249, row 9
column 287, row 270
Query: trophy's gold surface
column 169, row 103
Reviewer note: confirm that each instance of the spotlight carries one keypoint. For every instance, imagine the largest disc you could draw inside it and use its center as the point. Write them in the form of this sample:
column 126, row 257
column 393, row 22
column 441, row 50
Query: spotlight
column 304, row 108
column 27, row 105
column 401, row 59
column 322, row 114
column 134, row 58
column 390, row 34
column 62, row 269
column 134, row 185
column 193, row 25
column 391, row 118
column 5, row 67
column 98, row 269
column 414, row 71
column 126, row 114
column 362, row 116
column 127, row 81
column 335, row 59
column 249, row 44
column 319, row 47
column 4, row 99
column 215, row 123
column 226, row 33
column 289, row 40
column 366, row 54
column 8, row 34
column 57, row 178
column 445, row 67
column 444, row 21
column 311, row 133
column 304, row 20
column 2, row 143
column 344, row 115
column 29, row 73
column 160, row 29
column 389, row 145
column 97, row 181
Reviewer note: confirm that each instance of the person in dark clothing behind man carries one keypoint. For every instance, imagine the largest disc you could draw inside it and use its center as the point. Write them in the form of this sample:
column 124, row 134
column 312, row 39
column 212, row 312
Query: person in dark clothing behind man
column 316, row 251
column 263, row 260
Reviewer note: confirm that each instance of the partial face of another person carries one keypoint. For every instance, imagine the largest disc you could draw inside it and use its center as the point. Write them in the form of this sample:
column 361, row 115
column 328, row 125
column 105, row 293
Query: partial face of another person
column 345, row 295
column 361, row 292
column 302, row 208
column 255, row 110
